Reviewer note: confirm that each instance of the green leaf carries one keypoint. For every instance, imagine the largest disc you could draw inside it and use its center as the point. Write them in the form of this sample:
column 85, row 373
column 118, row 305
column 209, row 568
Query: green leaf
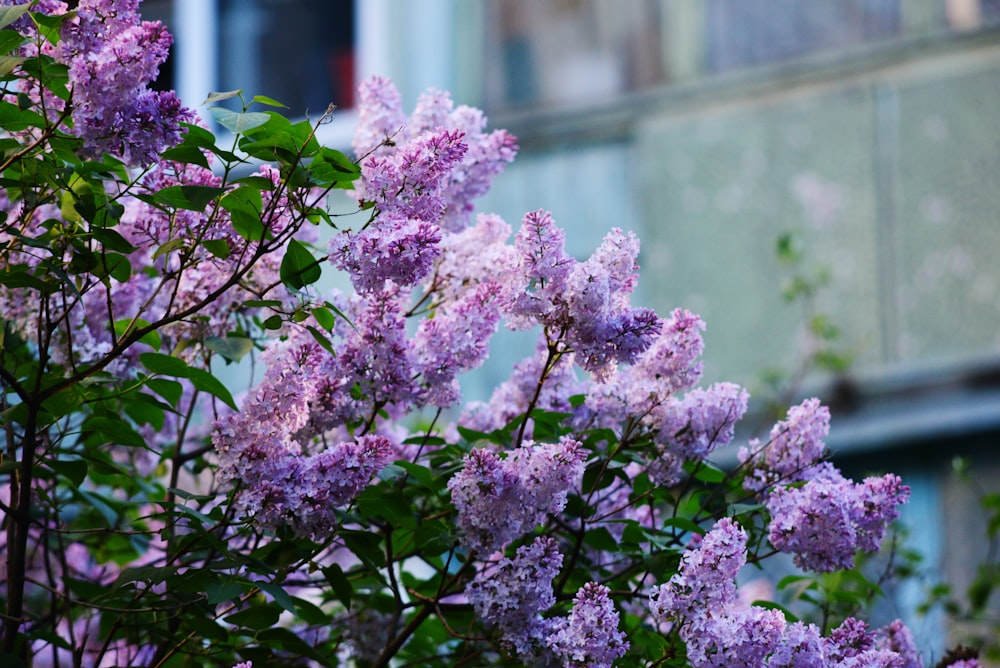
column 324, row 317
column 112, row 240
column 117, row 266
column 15, row 119
column 269, row 101
column 601, row 539
column 366, row 546
column 168, row 247
column 164, row 365
column 187, row 154
column 10, row 39
column 245, row 205
column 206, row 382
column 279, row 595
column 341, row 586
column 12, row 13
column 321, row 339
column 421, row 474
column 195, row 135
column 192, row 198
column 114, row 430
column 9, row 63
column 331, row 167
column 310, row 613
column 257, row 618
column 217, row 247
column 238, row 122
column 170, row 390
column 124, row 325
column 288, row 641
column 708, row 473
column 206, row 628
column 223, row 590
column 18, row 276
column 299, row 268
column 233, row 348
column 219, row 96
column 96, row 501
column 144, row 409
column 74, row 470
column 683, row 524
column 262, row 303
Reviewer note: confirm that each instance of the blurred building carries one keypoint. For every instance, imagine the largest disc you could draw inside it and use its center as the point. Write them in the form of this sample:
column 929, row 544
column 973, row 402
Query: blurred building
column 868, row 129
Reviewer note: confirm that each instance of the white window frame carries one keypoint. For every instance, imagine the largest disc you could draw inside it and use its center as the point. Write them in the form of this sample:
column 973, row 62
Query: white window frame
column 195, row 24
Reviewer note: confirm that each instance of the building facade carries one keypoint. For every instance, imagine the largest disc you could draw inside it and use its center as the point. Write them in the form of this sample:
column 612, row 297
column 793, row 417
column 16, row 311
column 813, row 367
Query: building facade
column 865, row 133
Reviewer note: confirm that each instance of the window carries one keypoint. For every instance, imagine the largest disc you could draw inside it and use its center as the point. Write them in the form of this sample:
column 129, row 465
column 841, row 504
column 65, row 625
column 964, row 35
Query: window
column 300, row 52
column 558, row 51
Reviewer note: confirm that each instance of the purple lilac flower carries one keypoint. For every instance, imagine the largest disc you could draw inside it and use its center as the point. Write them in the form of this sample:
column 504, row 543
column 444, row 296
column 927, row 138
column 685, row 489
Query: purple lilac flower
column 401, row 242
column 694, row 426
column 899, row 639
column 852, row 645
column 702, row 599
column 399, row 250
column 589, row 636
column 541, row 271
column 513, row 595
column 485, row 493
column 824, row 522
column 474, row 255
column 702, row 595
column 795, row 447
column 668, row 366
column 735, row 638
column 583, row 305
column 455, row 340
column 380, row 115
column 484, row 154
column 408, row 183
column 372, row 367
column 112, row 57
column 500, row 499
column 706, row 577
column 801, row 646
column 261, row 448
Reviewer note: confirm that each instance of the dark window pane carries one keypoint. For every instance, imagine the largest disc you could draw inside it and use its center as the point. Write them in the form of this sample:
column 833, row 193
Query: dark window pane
column 300, row 52
column 579, row 51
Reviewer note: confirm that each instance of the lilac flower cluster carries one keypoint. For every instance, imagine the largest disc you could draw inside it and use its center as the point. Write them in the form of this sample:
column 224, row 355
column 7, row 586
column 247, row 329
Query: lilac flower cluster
column 701, row 599
column 280, row 484
column 500, row 499
column 455, row 340
column 585, row 305
column 824, row 522
column 639, row 391
column 384, row 130
column 420, row 175
column 692, row 427
column 589, row 636
column 112, row 57
column 793, row 451
column 513, row 595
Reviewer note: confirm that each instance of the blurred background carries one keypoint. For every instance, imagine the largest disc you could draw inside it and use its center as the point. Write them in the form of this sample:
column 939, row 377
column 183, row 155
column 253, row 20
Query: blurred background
column 819, row 180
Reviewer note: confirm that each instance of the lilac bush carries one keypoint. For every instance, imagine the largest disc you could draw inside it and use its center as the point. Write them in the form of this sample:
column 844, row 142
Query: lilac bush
column 352, row 508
